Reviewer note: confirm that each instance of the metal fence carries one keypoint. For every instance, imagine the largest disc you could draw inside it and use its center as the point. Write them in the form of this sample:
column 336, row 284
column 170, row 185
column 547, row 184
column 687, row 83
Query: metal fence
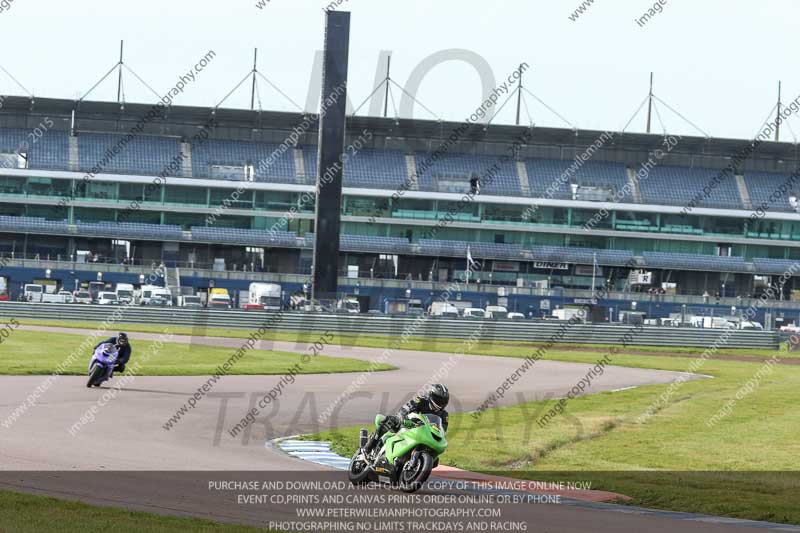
column 527, row 331
column 490, row 289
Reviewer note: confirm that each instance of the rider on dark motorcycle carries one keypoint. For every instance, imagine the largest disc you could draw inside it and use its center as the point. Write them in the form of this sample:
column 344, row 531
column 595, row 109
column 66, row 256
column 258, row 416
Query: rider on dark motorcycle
column 434, row 402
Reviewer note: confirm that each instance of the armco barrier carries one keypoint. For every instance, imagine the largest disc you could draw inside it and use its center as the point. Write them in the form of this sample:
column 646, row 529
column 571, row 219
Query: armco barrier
column 524, row 331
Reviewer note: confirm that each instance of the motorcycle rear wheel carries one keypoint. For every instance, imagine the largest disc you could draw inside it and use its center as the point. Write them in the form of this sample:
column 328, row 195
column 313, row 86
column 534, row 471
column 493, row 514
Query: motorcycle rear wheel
column 358, row 472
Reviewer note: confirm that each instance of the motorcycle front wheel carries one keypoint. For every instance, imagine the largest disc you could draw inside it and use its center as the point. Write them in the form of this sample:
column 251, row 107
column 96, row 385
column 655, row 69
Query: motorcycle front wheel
column 414, row 475
column 94, row 375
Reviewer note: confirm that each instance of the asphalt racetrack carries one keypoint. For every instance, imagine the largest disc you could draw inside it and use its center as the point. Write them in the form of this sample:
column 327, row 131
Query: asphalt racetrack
column 128, row 433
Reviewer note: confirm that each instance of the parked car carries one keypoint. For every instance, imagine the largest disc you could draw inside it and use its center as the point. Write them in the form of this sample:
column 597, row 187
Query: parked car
column 107, row 298
column 82, row 297
column 474, row 312
column 68, row 298
column 516, row 316
column 157, row 301
column 190, row 301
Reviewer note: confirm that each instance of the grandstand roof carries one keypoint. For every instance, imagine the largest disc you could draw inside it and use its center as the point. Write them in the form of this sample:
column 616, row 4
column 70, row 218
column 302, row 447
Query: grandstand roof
column 271, row 126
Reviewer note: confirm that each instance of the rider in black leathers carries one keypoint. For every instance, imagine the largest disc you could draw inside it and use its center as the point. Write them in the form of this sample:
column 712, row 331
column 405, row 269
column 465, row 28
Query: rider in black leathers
column 123, row 350
column 434, row 402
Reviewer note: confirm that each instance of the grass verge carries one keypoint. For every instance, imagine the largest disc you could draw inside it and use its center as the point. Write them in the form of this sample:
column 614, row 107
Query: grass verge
column 36, row 352
column 743, row 466
column 26, row 513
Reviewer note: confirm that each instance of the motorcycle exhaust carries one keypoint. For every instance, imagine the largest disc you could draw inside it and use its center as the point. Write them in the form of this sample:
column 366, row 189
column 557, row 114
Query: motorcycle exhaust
column 363, row 438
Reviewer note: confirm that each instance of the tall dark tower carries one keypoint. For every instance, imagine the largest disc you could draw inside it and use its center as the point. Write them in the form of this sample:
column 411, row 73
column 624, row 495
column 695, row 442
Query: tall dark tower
column 333, row 105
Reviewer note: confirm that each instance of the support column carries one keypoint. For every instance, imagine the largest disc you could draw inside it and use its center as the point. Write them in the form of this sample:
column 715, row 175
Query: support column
column 331, row 146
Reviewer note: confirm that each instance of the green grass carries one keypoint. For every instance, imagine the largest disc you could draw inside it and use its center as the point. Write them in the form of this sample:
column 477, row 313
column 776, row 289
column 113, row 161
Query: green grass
column 25, row 513
column 745, row 466
column 499, row 348
column 35, row 352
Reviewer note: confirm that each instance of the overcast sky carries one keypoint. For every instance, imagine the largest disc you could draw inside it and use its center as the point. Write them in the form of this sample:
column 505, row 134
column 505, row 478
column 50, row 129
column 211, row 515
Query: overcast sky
column 715, row 61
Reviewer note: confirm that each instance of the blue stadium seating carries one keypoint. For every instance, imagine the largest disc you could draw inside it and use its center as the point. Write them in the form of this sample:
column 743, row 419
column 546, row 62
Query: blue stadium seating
column 13, row 139
column 244, row 236
column 762, row 185
column 240, row 153
column 48, row 152
column 458, row 168
column 367, row 243
column 32, row 225
column 142, row 154
column 680, row 261
column 373, row 169
column 584, row 256
column 679, row 186
column 479, row 250
column 775, row 266
column 553, row 174
column 130, row 230
column 550, row 254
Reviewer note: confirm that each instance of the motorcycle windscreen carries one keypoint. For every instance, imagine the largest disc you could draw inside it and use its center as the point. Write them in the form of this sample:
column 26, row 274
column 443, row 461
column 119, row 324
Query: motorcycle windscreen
column 435, row 422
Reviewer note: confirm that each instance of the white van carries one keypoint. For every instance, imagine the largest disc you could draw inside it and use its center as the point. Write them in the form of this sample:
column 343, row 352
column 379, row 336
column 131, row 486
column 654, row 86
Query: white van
column 107, row 298
column 443, row 309
column 33, row 292
column 496, row 311
column 474, row 312
column 125, row 292
column 150, row 291
column 265, row 294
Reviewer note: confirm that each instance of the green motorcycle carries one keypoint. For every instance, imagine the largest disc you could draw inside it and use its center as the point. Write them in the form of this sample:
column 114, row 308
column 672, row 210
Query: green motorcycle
column 403, row 459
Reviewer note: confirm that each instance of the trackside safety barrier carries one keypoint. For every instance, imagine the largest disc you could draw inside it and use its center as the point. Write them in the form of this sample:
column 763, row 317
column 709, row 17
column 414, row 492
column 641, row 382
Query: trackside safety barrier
column 528, row 331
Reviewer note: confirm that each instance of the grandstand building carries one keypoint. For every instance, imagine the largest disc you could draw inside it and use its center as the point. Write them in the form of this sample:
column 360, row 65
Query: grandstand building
column 223, row 197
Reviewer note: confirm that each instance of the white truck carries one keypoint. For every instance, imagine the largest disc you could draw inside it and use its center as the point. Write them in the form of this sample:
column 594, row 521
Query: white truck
column 219, row 299
column 150, row 291
column 713, row 322
column 267, row 295
column 569, row 313
column 443, row 309
column 38, row 293
column 125, row 293
column 496, row 312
